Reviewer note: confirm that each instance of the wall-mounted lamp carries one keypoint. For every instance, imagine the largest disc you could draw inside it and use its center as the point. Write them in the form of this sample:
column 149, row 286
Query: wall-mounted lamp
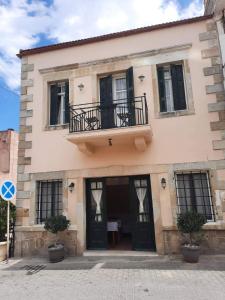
column 163, row 183
column 110, row 142
column 71, row 187
column 141, row 78
column 81, row 86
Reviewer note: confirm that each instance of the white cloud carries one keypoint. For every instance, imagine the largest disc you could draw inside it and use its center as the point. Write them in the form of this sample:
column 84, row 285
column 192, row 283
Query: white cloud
column 21, row 22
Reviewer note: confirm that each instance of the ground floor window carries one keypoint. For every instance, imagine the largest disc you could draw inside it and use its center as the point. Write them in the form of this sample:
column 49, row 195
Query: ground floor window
column 193, row 193
column 49, row 199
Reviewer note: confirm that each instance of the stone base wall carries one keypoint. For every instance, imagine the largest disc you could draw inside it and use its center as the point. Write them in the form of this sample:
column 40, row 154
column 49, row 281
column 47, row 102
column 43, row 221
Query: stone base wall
column 35, row 243
column 213, row 241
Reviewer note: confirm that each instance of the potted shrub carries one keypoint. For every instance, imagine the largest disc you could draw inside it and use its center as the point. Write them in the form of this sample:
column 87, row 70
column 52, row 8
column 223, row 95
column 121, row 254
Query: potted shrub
column 190, row 225
column 3, row 226
column 54, row 225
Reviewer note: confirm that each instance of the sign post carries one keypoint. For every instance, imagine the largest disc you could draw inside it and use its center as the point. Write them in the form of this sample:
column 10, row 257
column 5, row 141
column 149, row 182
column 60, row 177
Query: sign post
column 8, row 220
column 8, row 192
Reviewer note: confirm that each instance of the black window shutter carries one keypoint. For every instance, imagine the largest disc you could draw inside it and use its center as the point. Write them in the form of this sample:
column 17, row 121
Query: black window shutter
column 130, row 95
column 106, row 91
column 67, row 103
column 130, row 84
column 178, row 87
column 54, row 107
column 162, row 94
column 106, row 101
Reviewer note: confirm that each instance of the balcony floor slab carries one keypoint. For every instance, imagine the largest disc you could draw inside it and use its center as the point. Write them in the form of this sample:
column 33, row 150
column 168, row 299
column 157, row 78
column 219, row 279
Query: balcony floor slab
column 89, row 141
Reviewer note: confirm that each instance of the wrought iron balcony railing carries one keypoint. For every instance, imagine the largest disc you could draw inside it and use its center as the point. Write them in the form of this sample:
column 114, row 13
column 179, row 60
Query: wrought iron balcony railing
column 121, row 113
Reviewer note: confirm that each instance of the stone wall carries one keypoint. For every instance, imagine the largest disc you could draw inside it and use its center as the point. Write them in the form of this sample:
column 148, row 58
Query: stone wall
column 26, row 113
column 213, row 241
column 35, row 242
column 214, row 70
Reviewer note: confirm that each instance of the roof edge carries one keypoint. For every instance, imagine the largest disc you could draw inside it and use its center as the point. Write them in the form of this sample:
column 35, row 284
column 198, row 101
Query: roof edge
column 110, row 36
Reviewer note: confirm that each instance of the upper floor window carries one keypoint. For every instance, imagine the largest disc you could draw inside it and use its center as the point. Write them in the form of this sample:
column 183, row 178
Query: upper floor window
column 171, row 88
column 49, row 199
column 193, row 193
column 59, row 103
column 116, row 99
column 119, row 84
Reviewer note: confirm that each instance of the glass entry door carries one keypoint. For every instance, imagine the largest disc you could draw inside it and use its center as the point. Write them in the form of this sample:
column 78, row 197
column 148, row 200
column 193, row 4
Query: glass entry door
column 143, row 233
column 96, row 214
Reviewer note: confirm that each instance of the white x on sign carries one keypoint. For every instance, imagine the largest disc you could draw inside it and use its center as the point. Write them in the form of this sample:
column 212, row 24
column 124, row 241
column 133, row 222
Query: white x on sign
column 7, row 190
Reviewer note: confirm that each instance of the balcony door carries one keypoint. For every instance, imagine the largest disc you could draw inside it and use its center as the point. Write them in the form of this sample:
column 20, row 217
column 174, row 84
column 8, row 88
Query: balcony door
column 117, row 100
column 143, row 233
column 96, row 214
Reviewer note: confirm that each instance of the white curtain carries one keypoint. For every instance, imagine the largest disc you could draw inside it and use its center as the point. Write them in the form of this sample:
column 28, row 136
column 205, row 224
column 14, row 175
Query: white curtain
column 141, row 192
column 120, row 92
column 97, row 195
column 169, row 91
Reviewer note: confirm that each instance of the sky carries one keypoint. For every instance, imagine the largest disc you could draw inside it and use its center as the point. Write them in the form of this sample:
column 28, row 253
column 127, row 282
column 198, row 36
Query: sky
column 32, row 23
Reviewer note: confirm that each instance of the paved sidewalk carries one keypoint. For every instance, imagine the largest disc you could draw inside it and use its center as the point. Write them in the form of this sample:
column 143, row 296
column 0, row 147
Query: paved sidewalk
column 114, row 278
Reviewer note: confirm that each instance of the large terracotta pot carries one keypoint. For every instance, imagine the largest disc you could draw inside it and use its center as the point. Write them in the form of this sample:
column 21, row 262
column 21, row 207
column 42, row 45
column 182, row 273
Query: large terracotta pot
column 56, row 253
column 190, row 253
column 3, row 251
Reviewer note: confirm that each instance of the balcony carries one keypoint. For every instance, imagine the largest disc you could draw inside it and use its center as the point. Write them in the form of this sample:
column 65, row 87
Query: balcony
column 124, row 122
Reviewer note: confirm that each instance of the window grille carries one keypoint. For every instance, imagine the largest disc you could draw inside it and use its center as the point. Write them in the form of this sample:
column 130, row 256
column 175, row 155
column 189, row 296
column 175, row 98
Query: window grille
column 49, row 199
column 193, row 193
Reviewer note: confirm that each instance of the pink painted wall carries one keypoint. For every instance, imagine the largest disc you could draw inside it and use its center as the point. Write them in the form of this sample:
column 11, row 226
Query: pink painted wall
column 175, row 139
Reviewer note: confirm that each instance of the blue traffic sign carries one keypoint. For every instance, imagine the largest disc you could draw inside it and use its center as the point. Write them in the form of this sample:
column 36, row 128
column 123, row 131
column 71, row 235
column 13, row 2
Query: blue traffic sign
column 7, row 190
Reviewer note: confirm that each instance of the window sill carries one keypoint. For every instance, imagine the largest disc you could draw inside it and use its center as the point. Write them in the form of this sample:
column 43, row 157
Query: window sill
column 172, row 114
column 56, row 127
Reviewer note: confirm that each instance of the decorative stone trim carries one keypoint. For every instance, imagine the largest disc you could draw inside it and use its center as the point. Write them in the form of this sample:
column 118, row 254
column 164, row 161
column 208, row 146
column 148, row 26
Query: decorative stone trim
column 117, row 58
column 24, row 160
column 22, row 177
column 218, row 125
column 26, row 129
column 23, row 194
column 26, row 98
column 215, row 88
column 188, row 93
column 26, row 113
column 177, row 113
column 25, row 145
column 211, row 52
column 210, row 35
column 215, row 70
column 214, row 107
column 27, row 68
column 27, row 83
column 219, row 145
column 56, row 127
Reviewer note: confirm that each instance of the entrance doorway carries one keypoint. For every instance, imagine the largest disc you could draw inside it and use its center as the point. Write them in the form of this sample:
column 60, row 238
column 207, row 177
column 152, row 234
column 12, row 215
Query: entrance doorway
column 120, row 214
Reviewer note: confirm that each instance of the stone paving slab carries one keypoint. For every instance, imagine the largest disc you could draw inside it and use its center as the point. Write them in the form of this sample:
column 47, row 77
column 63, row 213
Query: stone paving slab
column 103, row 279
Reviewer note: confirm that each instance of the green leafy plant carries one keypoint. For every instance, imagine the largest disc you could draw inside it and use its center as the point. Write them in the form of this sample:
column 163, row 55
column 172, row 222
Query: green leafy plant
column 190, row 225
column 3, row 217
column 56, row 224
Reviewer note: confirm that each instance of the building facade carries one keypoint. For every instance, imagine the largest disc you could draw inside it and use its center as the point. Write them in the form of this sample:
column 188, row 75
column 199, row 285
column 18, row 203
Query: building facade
column 8, row 155
column 120, row 133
